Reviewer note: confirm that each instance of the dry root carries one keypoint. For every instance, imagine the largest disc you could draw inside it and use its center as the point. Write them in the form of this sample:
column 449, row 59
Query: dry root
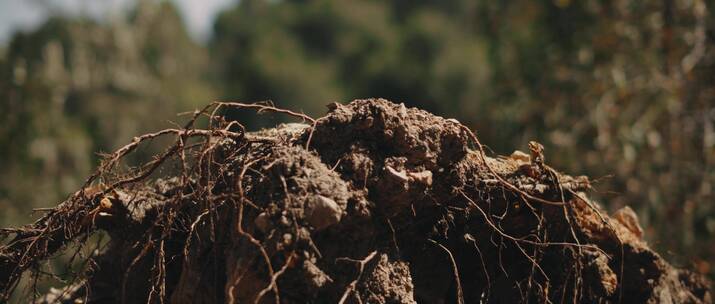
column 373, row 203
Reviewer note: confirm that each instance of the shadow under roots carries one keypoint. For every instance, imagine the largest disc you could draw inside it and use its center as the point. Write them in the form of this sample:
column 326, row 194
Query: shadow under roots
column 372, row 203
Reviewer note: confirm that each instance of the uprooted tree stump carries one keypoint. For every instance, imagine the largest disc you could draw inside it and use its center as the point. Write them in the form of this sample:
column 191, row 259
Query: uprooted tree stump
column 373, row 203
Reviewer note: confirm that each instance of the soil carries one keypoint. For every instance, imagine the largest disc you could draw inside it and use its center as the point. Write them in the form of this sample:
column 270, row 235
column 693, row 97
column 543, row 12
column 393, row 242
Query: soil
column 372, row 203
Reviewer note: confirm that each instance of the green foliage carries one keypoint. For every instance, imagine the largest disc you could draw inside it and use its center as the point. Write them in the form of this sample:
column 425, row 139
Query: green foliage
column 73, row 88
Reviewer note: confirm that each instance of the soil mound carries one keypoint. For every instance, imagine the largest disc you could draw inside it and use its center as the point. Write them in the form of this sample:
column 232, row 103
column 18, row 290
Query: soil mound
column 372, row 203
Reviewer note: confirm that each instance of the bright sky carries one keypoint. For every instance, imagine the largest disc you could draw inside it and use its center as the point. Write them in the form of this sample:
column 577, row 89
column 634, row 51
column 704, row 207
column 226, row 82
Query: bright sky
column 28, row 14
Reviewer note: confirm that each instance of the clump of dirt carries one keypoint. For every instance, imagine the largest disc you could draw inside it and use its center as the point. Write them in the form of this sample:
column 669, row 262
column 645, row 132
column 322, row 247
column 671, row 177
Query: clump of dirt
column 372, row 203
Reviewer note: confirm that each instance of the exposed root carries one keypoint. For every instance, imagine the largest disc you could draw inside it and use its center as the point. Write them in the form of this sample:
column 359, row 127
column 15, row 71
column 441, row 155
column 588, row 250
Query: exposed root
column 226, row 215
column 361, row 267
column 460, row 294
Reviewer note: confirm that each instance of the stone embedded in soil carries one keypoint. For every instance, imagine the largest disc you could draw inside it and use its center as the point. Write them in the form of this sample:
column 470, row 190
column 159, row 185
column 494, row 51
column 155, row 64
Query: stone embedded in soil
column 629, row 219
column 322, row 212
column 372, row 179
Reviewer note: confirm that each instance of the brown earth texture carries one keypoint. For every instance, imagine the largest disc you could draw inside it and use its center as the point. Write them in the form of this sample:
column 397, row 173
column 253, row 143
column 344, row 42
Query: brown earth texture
column 372, row 203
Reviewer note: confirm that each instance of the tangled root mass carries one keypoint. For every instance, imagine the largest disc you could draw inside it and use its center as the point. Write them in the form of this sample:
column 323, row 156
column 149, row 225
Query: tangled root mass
column 372, row 203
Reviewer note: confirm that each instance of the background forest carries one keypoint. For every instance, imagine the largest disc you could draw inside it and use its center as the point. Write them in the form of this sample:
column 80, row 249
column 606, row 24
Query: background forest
column 621, row 90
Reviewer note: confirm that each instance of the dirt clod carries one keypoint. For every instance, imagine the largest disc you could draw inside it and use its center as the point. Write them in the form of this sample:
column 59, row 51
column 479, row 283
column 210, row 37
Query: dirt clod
column 372, row 203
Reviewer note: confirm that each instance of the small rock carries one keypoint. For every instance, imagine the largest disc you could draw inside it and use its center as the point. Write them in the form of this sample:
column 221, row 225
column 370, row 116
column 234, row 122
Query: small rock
column 322, row 212
column 287, row 239
column 520, row 157
column 629, row 218
column 402, row 112
column 400, row 175
column 262, row 222
column 423, row 177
